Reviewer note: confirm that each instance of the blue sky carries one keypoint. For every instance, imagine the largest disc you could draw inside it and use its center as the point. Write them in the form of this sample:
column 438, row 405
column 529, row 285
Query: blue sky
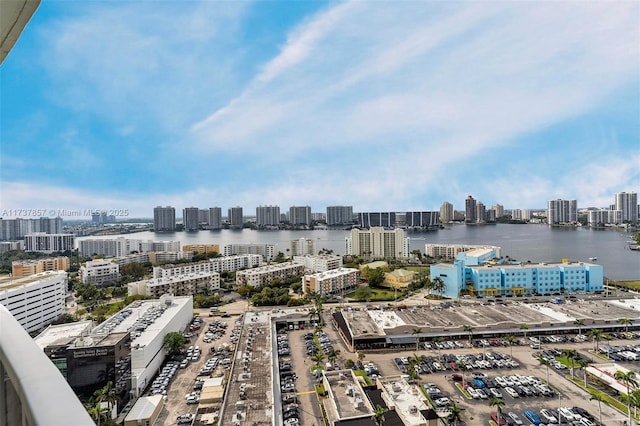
column 380, row 105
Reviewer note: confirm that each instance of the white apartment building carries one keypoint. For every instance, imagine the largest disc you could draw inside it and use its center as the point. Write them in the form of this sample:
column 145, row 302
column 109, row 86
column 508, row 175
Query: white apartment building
column 450, row 251
column 319, row 263
column 218, row 264
column 521, row 214
column 602, row 217
column 120, row 246
column 377, row 242
column 562, row 211
column 35, row 301
column 627, row 202
column 266, row 274
column 100, row 272
column 48, row 243
column 179, row 285
column 335, row 281
column 303, row 247
column 267, row 251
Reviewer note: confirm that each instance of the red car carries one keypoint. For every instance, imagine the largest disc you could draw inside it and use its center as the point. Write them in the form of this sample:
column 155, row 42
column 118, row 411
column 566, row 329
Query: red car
column 499, row 420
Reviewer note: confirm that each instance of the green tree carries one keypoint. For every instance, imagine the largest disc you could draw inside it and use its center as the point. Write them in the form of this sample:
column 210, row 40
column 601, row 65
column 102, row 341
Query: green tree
column 378, row 414
column 498, row 403
column 626, row 322
column 524, row 328
column 469, row 329
column 583, row 364
column 438, row 286
column 510, row 341
column 579, row 323
column 416, row 332
column 363, row 293
column 598, row 397
column 546, row 363
column 173, row 343
column 571, row 355
column 108, row 394
column 455, row 413
column 596, row 334
column 631, row 383
column 332, row 355
column 375, row 277
column 318, row 358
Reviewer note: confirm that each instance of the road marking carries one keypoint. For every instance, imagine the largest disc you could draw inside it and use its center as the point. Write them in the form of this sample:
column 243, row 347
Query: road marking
column 306, row 392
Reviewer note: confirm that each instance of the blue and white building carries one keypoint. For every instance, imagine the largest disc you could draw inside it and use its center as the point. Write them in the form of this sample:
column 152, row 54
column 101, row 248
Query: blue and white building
column 480, row 273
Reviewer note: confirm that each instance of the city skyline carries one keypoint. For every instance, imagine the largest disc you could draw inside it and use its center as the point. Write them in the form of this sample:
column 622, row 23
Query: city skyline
column 382, row 106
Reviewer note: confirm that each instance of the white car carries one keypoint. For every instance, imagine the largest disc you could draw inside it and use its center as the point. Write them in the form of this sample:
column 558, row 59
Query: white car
column 442, row 402
column 548, row 416
column 512, row 392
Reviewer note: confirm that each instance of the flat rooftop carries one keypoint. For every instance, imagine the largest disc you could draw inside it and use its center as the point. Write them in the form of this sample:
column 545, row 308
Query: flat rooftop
column 346, row 394
column 406, row 399
column 8, row 282
column 451, row 316
column 62, row 334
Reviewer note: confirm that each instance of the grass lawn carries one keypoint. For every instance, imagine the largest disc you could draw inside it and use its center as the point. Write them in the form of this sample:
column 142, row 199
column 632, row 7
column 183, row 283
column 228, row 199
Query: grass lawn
column 607, row 399
column 362, row 374
column 379, row 295
column 631, row 285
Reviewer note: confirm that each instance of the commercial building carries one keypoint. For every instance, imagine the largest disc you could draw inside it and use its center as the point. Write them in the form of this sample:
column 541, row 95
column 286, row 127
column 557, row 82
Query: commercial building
column 300, row 215
column 406, row 401
column 88, row 360
column 148, row 322
column 346, row 399
column 627, row 202
column 398, row 278
column 377, row 242
column 267, row 251
column 35, row 301
column 180, row 285
column 303, row 247
column 48, row 243
column 235, row 217
column 100, row 272
column 266, row 274
column 332, row 282
column 24, row 268
column 191, row 218
column 319, row 263
column 164, row 219
column 446, row 212
column 562, row 212
column 267, row 216
column 339, row 215
column 475, row 272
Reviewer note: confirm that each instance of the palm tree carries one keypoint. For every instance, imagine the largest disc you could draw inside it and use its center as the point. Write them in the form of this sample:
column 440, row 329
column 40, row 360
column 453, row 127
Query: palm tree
column 438, row 286
column 455, row 413
column 579, row 323
column 571, row 355
column 595, row 334
column 318, row 358
column 545, row 362
column 378, row 414
column 439, row 339
column 629, row 379
column 498, row 403
column 469, row 329
column 361, row 356
column 524, row 327
column 599, row 397
column 583, row 364
column 415, row 332
column 333, row 355
column 510, row 341
column 626, row 322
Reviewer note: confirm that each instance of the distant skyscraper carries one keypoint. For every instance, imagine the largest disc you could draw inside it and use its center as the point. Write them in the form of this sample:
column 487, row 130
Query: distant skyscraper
column 203, row 216
column 384, row 219
column 191, row 218
column 164, row 219
column 628, row 203
column 562, row 211
column 300, row 215
column 215, row 218
column 236, row 220
column 481, row 212
column 499, row 209
column 470, row 211
column 446, row 212
column 339, row 215
column 267, row 215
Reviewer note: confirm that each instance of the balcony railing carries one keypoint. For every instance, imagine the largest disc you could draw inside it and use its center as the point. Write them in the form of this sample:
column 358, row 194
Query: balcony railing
column 32, row 390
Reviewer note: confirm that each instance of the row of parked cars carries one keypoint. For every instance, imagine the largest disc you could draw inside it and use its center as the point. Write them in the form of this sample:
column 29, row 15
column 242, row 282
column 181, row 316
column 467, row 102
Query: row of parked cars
column 161, row 382
column 290, row 408
column 217, row 330
column 456, row 362
column 575, row 416
column 621, row 353
column 482, row 386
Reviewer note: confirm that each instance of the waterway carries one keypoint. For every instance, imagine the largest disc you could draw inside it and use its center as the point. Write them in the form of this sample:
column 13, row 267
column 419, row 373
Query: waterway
column 537, row 243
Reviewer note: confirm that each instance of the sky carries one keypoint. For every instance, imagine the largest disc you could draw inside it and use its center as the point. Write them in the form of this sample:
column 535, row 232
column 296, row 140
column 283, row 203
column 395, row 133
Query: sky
column 380, row 105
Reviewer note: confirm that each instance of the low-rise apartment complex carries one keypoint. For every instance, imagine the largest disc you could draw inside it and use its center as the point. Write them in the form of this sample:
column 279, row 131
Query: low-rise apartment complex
column 24, row 268
column 266, row 274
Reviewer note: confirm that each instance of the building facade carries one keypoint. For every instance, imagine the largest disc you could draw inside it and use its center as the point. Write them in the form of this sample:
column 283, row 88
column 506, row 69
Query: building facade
column 319, row 263
column 191, row 284
column 35, row 301
column 470, row 210
column 267, row 251
column 235, row 217
column 267, row 216
column 48, row 243
column 100, row 272
column 339, row 215
column 164, row 219
column 422, row 220
column 331, row 282
column 377, row 242
column 300, row 215
column 562, row 212
column 191, row 218
column 267, row 274
column 303, row 247
column 446, row 212
column 627, row 202
column 24, row 268
column 214, row 220
column 370, row 220
column 16, row 229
